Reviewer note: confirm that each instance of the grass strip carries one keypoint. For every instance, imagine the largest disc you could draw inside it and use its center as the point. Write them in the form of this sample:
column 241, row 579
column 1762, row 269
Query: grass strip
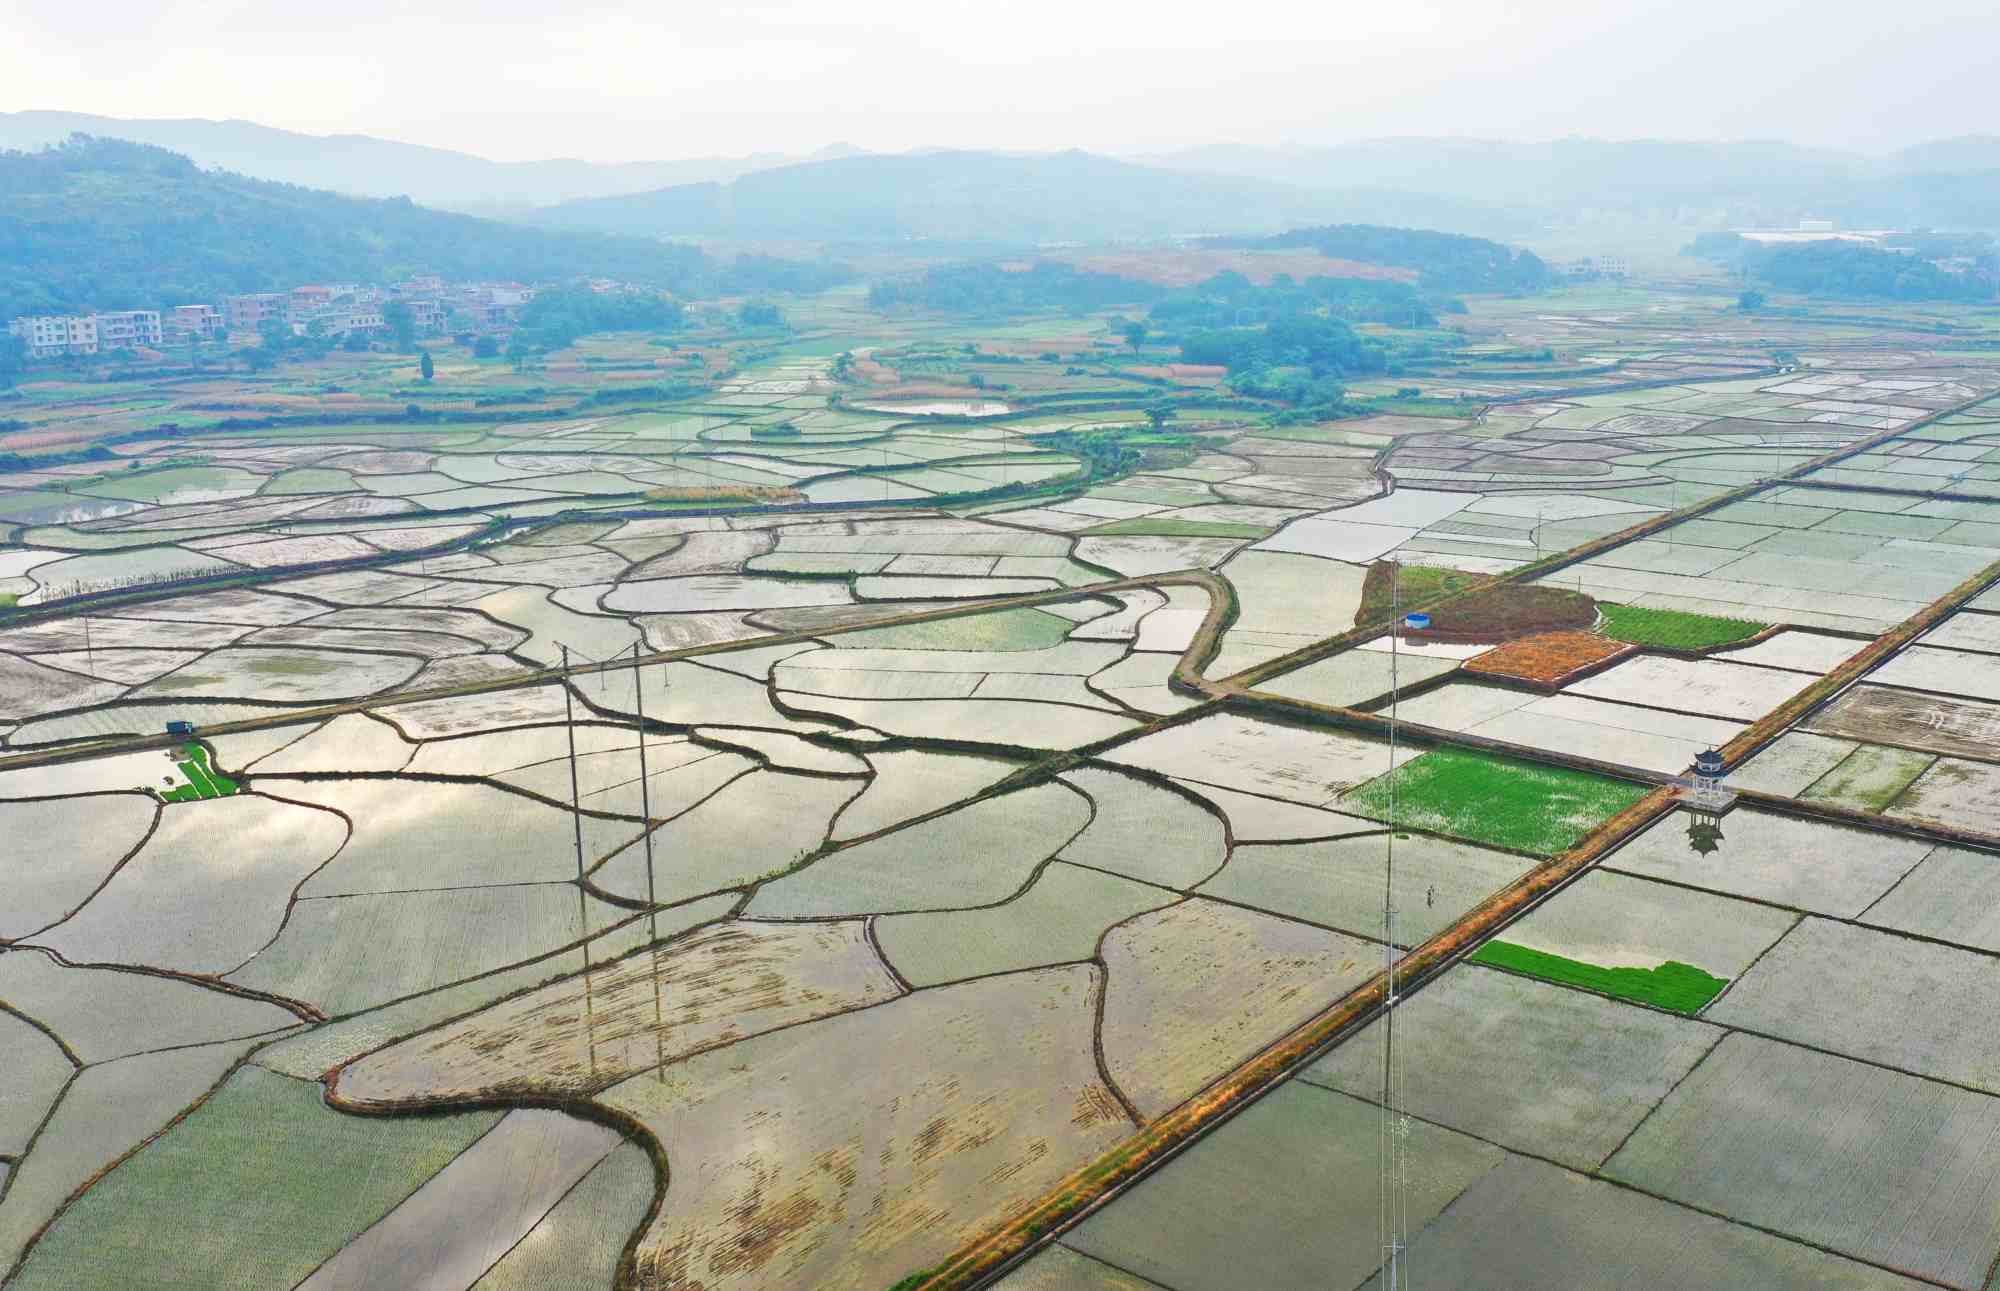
column 1677, row 987
column 1672, row 629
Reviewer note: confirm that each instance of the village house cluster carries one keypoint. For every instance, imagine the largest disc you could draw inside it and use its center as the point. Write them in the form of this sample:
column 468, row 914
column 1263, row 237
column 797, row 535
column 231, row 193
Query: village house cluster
column 331, row 311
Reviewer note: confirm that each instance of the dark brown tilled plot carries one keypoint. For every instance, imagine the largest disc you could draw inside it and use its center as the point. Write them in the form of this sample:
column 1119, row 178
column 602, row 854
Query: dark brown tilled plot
column 1880, row 715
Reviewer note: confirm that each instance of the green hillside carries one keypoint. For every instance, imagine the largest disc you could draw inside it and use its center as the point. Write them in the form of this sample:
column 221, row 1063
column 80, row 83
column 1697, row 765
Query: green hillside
column 106, row 224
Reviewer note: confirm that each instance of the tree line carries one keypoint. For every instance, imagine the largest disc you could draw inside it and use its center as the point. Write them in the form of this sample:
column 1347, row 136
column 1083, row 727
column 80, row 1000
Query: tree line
column 1844, row 268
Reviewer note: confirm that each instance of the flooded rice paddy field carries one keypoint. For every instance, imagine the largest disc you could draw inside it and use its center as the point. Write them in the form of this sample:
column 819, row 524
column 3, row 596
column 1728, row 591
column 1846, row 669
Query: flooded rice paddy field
column 911, row 885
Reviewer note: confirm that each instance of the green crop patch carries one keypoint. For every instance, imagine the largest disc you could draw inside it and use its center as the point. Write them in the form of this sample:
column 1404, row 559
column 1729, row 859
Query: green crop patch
column 203, row 780
column 1677, row 987
column 1673, row 629
column 1502, row 801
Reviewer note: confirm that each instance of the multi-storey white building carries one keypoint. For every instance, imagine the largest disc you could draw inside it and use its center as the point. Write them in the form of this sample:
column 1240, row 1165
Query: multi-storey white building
column 248, row 313
column 51, row 336
column 428, row 315
column 340, row 319
column 127, row 328
column 204, row 322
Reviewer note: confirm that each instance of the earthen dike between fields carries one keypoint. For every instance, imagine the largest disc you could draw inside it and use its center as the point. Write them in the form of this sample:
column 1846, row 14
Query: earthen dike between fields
column 1100, row 1181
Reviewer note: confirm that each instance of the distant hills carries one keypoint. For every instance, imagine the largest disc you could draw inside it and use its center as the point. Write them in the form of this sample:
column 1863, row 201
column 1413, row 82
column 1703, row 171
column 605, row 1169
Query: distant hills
column 364, row 166
column 1487, row 187
column 107, row 224
column 1068, row 196
column 1018, row 198
column 1954, row 182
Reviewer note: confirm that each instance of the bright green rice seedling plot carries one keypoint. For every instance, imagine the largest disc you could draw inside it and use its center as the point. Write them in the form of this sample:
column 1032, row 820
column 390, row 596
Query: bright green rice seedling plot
column 1672, row 629
column 203, row 781
column 1501, row 801
column 1674, row 986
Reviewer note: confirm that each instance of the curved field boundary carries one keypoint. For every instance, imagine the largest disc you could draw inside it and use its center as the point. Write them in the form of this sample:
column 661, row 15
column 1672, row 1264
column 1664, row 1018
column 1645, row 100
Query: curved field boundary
column 1221, row 605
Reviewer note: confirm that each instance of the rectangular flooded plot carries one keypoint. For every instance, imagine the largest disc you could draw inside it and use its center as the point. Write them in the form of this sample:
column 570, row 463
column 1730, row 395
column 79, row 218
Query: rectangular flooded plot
column 1952, row 792
column 1791, row 763
column 1869, row 779
column 1619, row 921
column 1188, row 1227
column 1949, row 672
column 1874, row 995
column 1528, row 1225
column 1309, row 766
column 1539, row 1068
column 1787, row 860
column 1338, row 882
column 1703, row 686
column 1953, row 896
column 1966, row 630
column 1872, row 1163
column 1355, row 677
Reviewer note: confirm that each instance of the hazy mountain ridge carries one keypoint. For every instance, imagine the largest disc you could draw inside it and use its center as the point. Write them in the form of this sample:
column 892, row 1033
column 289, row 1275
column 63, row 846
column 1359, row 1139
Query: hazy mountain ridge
column 366, row 166
column 1944, row 181
column 1019, row 198
column 105, row 224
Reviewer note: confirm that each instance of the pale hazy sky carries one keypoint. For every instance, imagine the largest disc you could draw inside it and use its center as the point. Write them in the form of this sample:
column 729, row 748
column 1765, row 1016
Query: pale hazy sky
column 516, row 80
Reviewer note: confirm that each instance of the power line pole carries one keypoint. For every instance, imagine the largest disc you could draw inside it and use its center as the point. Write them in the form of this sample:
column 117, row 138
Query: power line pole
column 652, row 901
column 1393, row 1204
column 582, row 898
column 1389, row 1150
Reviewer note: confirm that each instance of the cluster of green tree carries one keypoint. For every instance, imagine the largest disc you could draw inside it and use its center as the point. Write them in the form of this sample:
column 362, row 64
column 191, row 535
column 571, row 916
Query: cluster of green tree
column 759, row 315
column 1232, row 300
column 987, row 289
column 1302, row 359
column 106, row 224
column 555, row 318
column 1841, row 268
column 1445, row 262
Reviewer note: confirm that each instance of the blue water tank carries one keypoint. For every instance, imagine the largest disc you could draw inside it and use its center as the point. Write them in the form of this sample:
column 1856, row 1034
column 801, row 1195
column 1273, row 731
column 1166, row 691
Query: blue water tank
column 1416, row 622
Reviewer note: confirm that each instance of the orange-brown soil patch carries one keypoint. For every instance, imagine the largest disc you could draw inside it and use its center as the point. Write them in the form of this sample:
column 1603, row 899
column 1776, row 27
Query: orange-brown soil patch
column 874, row 372
column 1552, row 659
